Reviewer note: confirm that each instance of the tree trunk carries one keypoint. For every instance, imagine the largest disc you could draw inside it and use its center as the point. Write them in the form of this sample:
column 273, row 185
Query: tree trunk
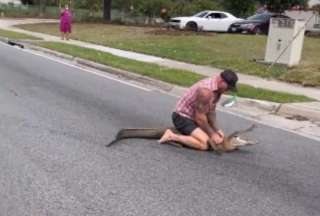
column 42, row 7
column 107, row 10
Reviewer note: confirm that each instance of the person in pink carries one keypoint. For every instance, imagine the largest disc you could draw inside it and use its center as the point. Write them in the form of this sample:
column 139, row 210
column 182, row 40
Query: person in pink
column 195, row 116
column 65, row 23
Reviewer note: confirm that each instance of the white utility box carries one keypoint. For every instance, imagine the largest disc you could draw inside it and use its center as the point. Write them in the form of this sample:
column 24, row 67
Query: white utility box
column 285, row 41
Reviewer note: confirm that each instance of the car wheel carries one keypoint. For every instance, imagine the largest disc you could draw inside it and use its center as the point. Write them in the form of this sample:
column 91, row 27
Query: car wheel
column 192, row 26
column 258, row 31
column 307, row 33
column 229, row 30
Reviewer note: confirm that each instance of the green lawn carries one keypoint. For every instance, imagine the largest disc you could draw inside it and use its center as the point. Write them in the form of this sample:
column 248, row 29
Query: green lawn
column 178, row 77
column 218, row 50
column 17, row 36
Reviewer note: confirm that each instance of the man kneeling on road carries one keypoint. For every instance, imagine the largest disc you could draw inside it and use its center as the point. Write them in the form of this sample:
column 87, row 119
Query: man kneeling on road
column 195, row 115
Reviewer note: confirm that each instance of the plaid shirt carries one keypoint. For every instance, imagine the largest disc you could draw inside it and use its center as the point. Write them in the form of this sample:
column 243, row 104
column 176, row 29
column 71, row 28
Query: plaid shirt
column 186, row 105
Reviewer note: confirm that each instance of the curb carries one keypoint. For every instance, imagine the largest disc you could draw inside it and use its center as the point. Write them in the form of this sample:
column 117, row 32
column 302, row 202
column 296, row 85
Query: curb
column 271, row 107
column 115, row 71
column 27, row 41
column 51, row 52
column 268, row 106
column 122, row 73
column 4, row 39
column 298, row 111
column 301, row 111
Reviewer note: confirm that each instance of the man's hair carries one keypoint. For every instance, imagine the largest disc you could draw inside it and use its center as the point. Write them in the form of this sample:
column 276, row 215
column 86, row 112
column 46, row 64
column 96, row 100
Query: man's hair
column 230, row 77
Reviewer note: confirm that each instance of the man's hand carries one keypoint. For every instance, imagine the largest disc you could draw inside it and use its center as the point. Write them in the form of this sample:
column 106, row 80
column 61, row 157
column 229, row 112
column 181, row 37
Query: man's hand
column 220, row 132
column 217, row 138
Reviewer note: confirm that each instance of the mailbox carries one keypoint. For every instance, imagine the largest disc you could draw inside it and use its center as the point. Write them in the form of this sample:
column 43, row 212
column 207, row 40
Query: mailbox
column 285, row 41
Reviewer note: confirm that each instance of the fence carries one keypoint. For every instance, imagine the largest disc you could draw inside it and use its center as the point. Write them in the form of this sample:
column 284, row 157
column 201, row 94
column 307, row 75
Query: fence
column 28, row 11
column 11, row 10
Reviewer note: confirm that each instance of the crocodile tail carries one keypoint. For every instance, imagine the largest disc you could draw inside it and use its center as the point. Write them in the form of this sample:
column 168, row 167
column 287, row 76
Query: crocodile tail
column 145, row 133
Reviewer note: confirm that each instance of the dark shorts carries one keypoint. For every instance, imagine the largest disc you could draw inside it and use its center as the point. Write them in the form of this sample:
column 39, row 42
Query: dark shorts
column 183, row 124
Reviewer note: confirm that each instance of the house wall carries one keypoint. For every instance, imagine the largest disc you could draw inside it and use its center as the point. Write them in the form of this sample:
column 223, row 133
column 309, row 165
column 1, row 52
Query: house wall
column 10, row 1
column 313, row 2
column 310, row 16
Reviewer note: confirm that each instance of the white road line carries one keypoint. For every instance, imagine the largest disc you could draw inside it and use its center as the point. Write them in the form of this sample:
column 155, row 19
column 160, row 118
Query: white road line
column 89, row 71
column 84, row 69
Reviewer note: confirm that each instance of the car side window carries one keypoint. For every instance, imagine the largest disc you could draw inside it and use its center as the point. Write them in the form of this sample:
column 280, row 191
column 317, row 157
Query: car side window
column 210, row 16
column 279, row 16
column 222, row 16
column 216, row 16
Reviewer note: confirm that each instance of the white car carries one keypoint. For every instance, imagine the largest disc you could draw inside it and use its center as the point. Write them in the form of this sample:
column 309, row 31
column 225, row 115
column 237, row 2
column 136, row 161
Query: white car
column 205, row 21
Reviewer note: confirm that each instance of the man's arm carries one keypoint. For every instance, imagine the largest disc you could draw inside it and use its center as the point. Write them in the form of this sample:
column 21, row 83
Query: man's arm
column 202, row 108
column 212, row 118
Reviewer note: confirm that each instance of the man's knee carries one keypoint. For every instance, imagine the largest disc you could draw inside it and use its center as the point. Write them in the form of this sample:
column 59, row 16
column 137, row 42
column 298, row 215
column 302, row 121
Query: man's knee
column 202, row 137
column 203, row 146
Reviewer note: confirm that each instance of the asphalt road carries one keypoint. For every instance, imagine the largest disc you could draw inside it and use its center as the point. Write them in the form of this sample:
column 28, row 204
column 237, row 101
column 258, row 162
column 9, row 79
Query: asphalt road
column 56, row 120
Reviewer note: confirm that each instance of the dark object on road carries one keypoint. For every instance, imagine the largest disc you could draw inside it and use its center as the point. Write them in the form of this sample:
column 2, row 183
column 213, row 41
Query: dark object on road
column 297, row 117
column 12, row 43
column 230, row 143
column 257, row 24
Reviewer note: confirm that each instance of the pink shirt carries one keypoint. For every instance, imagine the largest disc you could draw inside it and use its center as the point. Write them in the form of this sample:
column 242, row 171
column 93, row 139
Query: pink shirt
column 186, row 105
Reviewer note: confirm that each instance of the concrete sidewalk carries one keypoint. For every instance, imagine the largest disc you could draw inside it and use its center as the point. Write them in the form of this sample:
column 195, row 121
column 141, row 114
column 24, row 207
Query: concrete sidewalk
column 309, row 110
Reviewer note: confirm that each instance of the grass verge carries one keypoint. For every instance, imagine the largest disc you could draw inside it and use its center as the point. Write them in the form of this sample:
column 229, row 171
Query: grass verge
column 17, row 36
column 173, row 76
column 234, row 51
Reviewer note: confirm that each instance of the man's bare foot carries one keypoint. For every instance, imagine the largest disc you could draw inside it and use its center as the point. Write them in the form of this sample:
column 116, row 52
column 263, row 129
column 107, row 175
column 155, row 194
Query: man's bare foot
column 167, row 136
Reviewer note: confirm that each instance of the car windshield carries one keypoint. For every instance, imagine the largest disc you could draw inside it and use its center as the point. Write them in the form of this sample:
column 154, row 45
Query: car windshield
column 260, row 17
column 201, row 14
